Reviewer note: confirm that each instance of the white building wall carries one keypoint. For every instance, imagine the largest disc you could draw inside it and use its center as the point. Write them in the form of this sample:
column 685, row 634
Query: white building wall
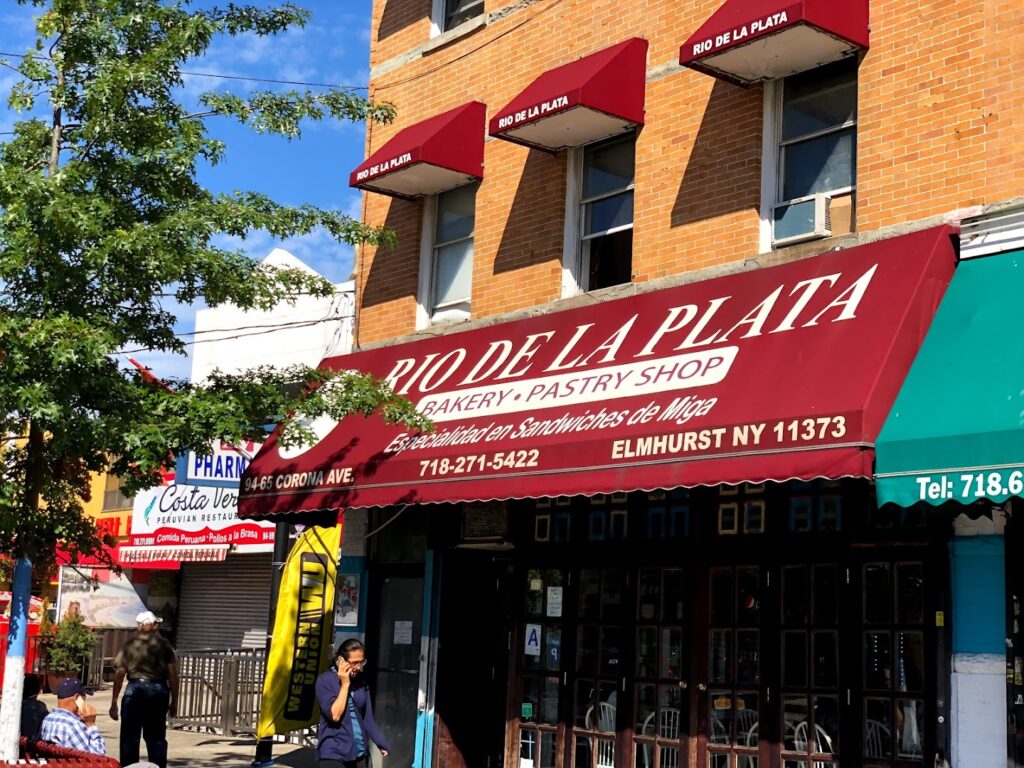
column 305, row 332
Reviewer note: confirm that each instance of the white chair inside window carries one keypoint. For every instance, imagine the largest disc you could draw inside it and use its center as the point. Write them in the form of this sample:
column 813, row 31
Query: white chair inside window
column 605, row 724
column 876, row 739
column 822, row 741
column 668, row 728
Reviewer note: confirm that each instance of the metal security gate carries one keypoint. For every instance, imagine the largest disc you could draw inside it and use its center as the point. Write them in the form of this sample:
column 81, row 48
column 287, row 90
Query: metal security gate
column 224, row 605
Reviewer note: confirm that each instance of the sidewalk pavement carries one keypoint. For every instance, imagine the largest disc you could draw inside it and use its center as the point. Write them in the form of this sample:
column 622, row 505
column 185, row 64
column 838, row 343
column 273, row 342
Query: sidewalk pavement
column 190, row 749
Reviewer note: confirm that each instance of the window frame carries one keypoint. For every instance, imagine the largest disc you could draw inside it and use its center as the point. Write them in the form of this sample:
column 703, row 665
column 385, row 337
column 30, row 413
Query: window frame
column 428, row 312
column 773, row 157
column 440, row 16
column 576, row 261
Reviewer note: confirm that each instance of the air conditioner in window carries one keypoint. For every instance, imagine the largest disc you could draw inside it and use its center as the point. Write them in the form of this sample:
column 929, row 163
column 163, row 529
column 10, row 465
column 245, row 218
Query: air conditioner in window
column 805, row 218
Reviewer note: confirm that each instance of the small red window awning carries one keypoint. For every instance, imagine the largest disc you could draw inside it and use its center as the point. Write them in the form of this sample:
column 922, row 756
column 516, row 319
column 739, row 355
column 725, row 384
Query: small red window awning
column 747, row 41
column 598, row 96
column 440, row 153
column 771, row 374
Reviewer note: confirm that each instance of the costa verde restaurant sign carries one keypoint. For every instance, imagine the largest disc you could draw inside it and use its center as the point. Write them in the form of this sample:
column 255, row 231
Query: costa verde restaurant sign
column 187, row 521
column 773, row 373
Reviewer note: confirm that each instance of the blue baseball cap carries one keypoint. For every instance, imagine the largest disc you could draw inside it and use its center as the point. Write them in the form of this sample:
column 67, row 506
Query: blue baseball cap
column 70, row 688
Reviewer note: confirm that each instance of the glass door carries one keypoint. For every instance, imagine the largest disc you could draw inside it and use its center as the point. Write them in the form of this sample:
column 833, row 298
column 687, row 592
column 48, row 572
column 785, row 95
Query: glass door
column 601, row 668
column 541, row 668
column 732, row 697
column 810, row 665
column 397, row 665
column 661, row 710
column 895, row 651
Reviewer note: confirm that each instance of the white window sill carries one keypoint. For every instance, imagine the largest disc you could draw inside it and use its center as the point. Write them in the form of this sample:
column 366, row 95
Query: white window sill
column 463, row 30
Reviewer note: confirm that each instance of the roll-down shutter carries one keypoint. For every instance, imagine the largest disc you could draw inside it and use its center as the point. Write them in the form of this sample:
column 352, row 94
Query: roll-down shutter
column 224, row 605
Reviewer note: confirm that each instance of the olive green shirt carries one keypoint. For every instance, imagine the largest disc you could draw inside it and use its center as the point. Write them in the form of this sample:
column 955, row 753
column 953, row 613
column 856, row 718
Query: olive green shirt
column 146, row 657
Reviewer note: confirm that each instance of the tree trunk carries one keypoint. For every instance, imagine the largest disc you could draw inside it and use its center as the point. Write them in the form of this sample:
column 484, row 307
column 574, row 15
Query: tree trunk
column 14, row 666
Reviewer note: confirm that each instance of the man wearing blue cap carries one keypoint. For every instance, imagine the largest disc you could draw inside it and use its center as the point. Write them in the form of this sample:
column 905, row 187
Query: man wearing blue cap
column 73, row 723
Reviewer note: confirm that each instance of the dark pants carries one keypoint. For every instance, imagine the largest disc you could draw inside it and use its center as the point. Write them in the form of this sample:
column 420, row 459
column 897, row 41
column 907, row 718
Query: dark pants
column 144, row 714
column 362, row 762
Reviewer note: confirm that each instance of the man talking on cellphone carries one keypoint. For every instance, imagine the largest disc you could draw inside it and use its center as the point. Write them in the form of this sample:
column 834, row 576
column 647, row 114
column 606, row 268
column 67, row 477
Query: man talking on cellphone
column 346, row 715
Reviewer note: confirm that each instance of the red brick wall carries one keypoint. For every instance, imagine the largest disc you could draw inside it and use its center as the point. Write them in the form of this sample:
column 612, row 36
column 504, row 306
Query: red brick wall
column 941, row 127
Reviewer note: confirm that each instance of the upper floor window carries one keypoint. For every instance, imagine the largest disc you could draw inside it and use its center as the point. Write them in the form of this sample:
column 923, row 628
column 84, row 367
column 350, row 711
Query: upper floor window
column 449, row 268
column 606, row 213
column 816, row 134
column 458, row 11
column 113, row 498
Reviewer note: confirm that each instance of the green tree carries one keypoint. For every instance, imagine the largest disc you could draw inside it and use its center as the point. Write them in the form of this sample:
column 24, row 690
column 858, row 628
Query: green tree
column 102, row 219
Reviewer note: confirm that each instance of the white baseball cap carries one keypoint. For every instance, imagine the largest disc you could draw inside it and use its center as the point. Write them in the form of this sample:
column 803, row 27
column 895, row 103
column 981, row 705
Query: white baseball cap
column 147, row 617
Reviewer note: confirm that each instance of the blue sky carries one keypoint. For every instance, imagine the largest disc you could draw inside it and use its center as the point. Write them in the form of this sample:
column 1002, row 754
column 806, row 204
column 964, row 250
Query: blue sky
column 333, row 48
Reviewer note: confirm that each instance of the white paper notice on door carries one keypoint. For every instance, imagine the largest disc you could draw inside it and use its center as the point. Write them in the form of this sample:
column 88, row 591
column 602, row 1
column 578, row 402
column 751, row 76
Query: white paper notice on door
column 554, row 602
column 532, row 646
column 403, row 633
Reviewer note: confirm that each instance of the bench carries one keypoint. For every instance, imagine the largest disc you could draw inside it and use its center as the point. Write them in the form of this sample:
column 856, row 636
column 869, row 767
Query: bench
column 64, row 756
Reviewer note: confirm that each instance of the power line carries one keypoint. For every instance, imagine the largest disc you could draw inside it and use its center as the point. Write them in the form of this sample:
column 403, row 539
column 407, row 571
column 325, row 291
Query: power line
column 224, row 77
column 271, row 329
column 265, row 330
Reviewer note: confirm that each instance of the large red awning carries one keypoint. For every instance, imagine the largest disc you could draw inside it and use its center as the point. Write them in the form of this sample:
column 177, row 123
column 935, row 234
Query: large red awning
column 776, row 373
column 598, row 96
column 442, row 152
column 747, row 41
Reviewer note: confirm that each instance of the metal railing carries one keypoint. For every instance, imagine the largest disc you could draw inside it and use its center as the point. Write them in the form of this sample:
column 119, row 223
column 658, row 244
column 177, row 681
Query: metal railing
column 221, row 691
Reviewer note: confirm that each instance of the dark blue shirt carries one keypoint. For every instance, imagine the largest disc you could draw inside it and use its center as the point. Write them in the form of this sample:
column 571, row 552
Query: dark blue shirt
column 335, row 738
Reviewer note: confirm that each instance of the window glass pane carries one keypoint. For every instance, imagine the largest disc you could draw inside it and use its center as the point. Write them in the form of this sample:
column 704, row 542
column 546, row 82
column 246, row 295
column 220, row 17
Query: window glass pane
column 748, row 671
column 720, row 708
column 877, row 728
column 794, row 595
column 671, row 653
column 553, row 648
column 877, row 593
column 748, row 597
column 721, row 656
column 826, row 594
column 826, row 725
column 910, row 729
column 795, row 723
column 909, row 661
column 721, row 597
column 819, row 165
column 877, row 661
column 646, row 652
column 909, row 593
column 819, row 99
column 645, row 704
column 611, row 259
column 747, row 720
column 586, row 660
column 826, row 660
column 547, row 750
column 549, row 704
column 458, row 11
column 649, row 594
column 672, row 596
column 612, row 587
column 531, row 699
column 608, row 213
column 607, row 167
column 455, row 214
column 453, row 269
column 794, row 659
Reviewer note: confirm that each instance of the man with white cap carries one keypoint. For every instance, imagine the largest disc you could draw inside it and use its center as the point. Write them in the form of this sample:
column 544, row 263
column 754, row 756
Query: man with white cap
column 148, row 661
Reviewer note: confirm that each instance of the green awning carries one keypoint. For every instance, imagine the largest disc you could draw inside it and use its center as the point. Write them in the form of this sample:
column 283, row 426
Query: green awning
column 956, row 430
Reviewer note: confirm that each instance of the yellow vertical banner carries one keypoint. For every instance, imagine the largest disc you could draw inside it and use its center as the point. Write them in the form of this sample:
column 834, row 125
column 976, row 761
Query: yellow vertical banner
column 303, row 631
